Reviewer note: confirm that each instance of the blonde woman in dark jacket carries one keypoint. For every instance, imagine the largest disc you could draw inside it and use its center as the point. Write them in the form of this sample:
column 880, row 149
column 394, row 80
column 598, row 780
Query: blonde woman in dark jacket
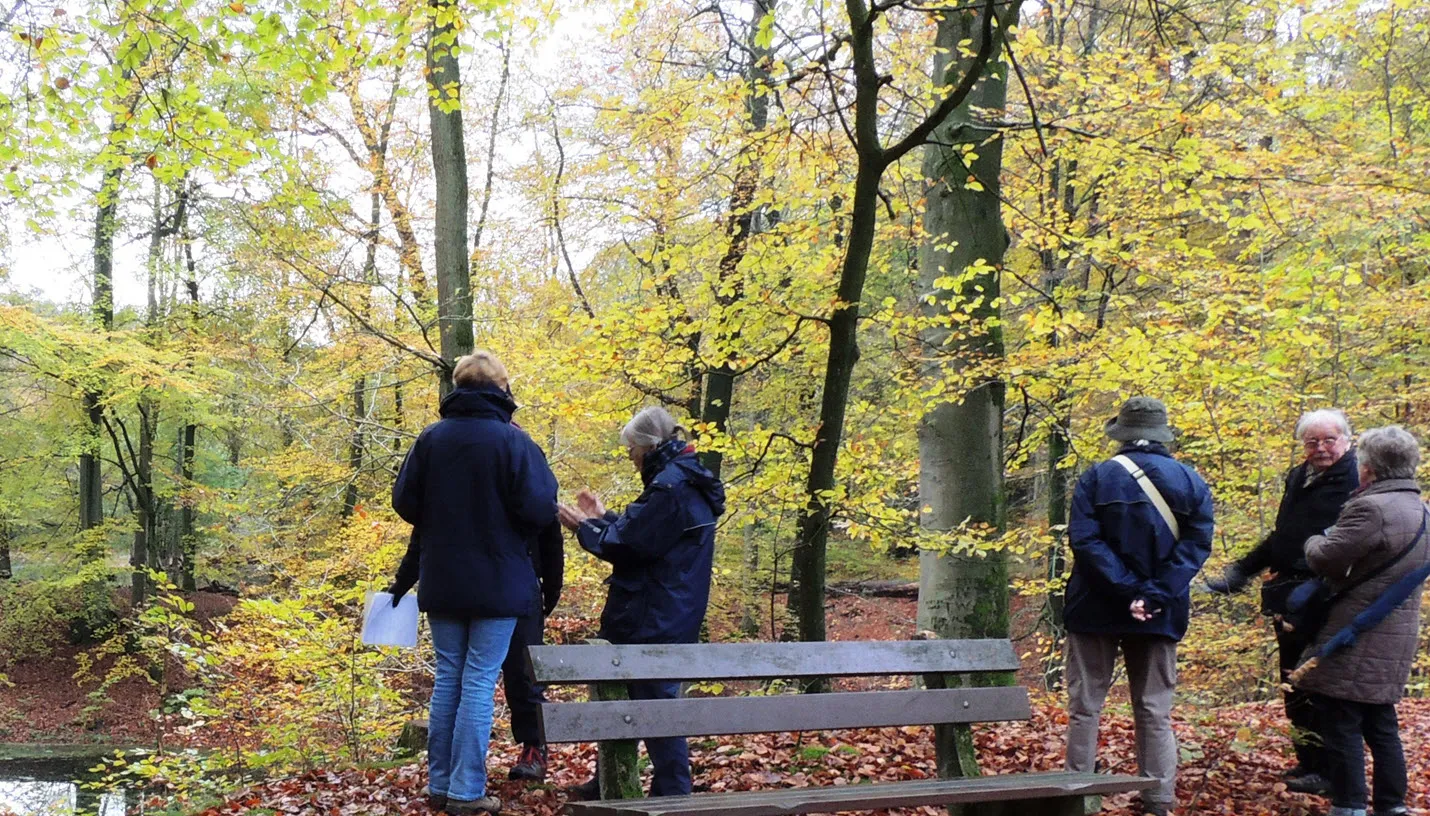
column 1357, row 687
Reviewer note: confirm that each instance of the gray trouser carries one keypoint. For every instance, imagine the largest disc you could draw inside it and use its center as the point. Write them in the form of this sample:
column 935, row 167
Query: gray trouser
column 1152, row 677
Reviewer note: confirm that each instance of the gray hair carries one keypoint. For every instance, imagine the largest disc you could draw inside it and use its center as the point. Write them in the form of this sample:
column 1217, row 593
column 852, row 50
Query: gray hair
column 649, row 428
column 1389, row 452
column 1324, row 416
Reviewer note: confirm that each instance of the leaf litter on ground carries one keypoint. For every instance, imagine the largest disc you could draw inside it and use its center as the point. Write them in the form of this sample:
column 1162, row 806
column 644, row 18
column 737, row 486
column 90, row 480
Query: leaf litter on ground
column 1233, row 759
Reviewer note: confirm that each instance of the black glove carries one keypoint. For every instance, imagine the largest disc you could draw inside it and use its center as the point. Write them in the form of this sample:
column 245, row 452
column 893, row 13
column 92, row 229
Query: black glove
column 397, row 593
column 1233, row 579
column 548, row 605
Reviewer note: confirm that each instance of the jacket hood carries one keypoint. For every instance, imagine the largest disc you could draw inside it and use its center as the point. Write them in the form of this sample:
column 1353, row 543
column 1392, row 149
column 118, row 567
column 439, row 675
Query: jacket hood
column 483, row 402
column 677, row 453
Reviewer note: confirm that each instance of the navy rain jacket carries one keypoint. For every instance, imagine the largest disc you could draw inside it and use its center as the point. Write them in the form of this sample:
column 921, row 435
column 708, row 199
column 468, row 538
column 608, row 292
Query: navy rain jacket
column 478, row 491
column 660, row 549
column 1123, row 550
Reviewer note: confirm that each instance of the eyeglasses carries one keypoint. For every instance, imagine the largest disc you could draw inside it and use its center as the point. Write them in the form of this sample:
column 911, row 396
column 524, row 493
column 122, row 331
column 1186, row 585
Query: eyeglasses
column 1328, row 442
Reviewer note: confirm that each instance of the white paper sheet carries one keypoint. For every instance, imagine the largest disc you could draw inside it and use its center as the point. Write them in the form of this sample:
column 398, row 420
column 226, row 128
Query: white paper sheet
column 385, row 626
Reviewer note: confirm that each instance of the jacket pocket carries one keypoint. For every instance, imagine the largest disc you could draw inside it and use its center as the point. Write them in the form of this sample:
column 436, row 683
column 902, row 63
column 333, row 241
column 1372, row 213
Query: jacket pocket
column 625, row 608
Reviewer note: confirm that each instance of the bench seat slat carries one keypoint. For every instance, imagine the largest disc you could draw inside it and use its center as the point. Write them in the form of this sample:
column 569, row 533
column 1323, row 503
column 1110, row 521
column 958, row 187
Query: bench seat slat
column 878, row 795
column 736, row 661
column 708, row 716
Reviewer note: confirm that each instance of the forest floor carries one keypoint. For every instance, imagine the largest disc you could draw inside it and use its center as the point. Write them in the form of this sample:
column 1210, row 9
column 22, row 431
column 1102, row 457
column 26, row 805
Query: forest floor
column 47, row 705
column 1232, row 756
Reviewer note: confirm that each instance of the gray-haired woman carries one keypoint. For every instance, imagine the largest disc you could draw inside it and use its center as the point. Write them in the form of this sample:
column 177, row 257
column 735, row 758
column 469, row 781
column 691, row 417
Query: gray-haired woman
column 1357, row 687
column 660, row 550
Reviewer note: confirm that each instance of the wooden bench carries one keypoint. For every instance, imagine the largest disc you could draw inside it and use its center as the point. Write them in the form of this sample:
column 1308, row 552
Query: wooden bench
column 616, row 722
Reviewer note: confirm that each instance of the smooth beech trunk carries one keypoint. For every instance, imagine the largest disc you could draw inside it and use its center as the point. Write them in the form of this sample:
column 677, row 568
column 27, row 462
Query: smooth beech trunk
column 963, row 593
column 449, row 165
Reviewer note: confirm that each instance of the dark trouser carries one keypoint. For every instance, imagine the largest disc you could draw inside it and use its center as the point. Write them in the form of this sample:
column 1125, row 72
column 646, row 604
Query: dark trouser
column 669, row 756
column 1301, row 707
column 523, row 695
column 1348, row 727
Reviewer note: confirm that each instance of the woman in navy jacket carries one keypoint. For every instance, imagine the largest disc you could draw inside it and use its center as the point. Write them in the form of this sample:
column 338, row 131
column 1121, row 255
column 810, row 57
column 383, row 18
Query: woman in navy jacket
column 660, row 550
column 477, row 491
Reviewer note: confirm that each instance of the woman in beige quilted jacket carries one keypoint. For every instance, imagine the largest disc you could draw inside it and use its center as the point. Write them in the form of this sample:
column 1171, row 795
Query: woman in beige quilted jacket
column 1358, row 687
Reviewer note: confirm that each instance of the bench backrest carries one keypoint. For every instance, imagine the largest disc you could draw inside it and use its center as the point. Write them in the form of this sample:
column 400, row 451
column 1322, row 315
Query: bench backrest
column 763, row 661
column 708, row 716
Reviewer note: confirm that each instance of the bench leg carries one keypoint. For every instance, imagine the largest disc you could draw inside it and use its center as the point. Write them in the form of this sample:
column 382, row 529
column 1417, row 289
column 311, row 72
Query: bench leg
column 616, row 761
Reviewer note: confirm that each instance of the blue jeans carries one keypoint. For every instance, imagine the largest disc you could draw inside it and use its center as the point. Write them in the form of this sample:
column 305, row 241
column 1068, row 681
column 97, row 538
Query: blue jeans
column 469, row 657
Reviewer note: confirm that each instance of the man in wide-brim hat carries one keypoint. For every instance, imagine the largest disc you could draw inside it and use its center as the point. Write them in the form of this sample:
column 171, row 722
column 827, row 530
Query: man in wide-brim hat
column 1140, row 529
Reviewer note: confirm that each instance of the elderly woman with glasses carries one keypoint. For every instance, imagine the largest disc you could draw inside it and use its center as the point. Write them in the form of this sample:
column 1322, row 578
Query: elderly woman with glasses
column 1316, row 489
column 1379, row 538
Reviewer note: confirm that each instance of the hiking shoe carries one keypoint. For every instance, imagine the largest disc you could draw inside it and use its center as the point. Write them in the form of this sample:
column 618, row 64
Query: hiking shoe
column 437, row 802
column 486, row 804
column 1299, row 770
column 531, row 765
column 1397, row 811
column 588, row 791
column 1310, row 783
column 1156, row 808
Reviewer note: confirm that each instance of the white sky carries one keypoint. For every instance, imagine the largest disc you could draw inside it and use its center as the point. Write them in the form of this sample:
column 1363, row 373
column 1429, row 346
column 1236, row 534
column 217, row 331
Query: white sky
column 56, row 262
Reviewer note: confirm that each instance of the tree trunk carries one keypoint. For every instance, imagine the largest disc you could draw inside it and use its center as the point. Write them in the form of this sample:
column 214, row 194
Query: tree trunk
column 807, row 561
column 356, row 442
column 750, row 584
column 141, row 553
column 1058, row 445
column 1055, row 271
column 6, row 572
column 140, row 557
column 449, row 165
column 745, row 221
column 399, row 422
column 355, row 447
column 808, row 558
column 91, row 500
column 188, row 544
column 963, row 594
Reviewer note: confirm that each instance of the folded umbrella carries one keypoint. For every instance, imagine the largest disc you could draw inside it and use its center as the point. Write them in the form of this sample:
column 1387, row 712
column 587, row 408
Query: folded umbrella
column 1369, row 618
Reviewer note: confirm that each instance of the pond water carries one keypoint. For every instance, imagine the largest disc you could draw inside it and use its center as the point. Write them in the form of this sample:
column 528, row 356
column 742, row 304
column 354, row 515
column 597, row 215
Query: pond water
column 46, row 782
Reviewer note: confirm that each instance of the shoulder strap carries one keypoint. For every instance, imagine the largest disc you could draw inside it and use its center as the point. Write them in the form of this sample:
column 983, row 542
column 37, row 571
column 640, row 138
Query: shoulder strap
column 1151, row 490
column 1385, row 565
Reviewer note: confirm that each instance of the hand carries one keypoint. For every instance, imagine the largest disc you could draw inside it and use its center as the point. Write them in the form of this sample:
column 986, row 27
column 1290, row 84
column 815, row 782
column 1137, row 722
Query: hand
column 396, row 594
column 1141, row 613
column 548, row 605
column 1232, row 580
column 590, row 503
column 570, row 517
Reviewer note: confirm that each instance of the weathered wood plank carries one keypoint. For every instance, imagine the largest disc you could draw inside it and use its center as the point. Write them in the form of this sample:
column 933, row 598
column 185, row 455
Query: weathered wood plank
column 708, row 716
column 734, row 661
column 1047, row 790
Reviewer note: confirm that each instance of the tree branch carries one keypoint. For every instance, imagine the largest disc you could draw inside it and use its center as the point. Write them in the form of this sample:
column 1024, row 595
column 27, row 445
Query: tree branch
column 971, row 76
